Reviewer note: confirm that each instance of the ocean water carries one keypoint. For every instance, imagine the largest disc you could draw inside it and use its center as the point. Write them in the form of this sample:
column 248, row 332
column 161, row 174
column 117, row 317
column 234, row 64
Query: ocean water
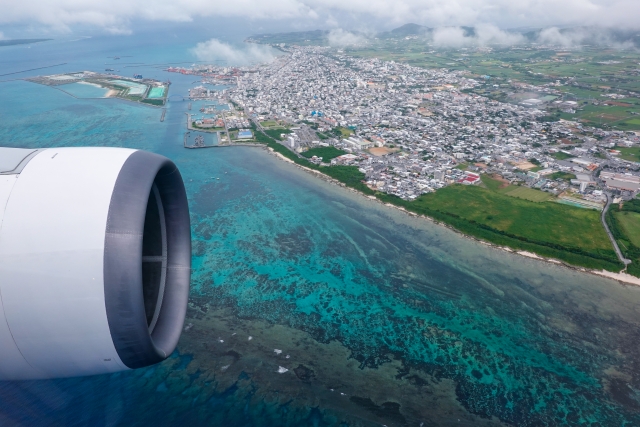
column 378, row 318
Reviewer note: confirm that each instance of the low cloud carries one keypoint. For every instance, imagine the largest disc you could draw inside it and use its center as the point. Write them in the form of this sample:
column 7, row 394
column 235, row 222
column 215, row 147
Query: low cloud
column 2, row 37
column 214, row 49
column 119, row 16
column 481, row 35
column 489, row 35
column 450, row 37
column 554, row 36
column 342, row 38
column 576, row 37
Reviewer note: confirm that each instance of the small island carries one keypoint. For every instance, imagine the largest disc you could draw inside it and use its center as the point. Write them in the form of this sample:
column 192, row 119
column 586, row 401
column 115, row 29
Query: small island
column 13, row 42
column 137, row 89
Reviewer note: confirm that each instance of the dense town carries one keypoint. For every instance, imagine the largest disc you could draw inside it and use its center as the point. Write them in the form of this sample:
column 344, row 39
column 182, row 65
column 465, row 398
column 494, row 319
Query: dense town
column 413, row 130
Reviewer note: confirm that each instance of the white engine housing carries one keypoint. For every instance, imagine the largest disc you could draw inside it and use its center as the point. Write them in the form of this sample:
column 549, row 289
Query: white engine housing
column 95, row 261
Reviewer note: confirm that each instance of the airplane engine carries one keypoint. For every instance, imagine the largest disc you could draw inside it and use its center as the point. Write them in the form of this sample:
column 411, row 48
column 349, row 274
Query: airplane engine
column 95, row 261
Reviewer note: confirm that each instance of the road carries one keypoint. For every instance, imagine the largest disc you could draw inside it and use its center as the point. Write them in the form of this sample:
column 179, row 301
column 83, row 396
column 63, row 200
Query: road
column 254, row 120
column 606, row 227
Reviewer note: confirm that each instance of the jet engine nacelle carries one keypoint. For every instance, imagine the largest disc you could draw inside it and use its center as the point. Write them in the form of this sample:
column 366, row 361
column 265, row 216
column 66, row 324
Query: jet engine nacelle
column 95, row 261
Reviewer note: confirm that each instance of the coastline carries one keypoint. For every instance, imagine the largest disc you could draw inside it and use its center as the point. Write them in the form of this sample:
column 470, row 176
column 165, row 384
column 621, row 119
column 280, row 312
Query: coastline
column 620, row 277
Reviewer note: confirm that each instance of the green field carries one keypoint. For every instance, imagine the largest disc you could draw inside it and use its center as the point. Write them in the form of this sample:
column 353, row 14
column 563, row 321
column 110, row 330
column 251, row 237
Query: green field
column 629, row 153
column 547, row 222
column 562, row 156
column 275, row 133
column 571, row 234
column 630, row 224
column 269, row 124
column 343, row 132
column 561, row 175
column 624, row 223
column 493, row 184
column 550, row 229
column 526, row 193
column 327, row 153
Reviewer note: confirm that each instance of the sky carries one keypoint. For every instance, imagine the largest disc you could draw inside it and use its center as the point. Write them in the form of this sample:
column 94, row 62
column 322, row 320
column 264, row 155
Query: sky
column 23, row 18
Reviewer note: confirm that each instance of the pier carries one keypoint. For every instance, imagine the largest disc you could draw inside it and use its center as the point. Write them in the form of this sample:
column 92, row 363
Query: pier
column 199, row 141
column 164, row 112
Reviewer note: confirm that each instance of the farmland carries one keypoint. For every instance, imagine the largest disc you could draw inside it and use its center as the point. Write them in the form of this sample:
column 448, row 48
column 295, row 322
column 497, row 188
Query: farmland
column 587, row 76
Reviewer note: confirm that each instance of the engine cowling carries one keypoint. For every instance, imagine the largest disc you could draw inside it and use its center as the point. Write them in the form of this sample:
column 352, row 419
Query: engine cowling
column 95, row 261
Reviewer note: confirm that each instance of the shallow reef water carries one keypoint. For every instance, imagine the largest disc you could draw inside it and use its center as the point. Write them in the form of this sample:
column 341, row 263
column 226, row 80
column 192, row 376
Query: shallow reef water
column 314, row 306
column 513, row 339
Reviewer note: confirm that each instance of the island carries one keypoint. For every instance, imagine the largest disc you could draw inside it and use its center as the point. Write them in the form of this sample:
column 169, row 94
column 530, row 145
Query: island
column 13, row 42
column 137, row 89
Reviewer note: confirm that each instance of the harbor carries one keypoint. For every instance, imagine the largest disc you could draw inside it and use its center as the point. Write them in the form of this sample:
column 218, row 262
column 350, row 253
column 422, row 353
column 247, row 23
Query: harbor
column 200, row 140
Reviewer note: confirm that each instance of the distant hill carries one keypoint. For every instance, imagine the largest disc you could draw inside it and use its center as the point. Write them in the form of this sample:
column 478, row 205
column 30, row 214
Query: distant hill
column 563, row 37
column 317, row 37
column 408, row 30
column 21, row 41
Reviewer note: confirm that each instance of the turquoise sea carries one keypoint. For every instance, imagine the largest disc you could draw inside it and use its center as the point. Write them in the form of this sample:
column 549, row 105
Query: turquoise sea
column 378, row 318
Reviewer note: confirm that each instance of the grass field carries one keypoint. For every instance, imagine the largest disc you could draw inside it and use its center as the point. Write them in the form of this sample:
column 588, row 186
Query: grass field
column 630, row 224
column 490, row 213
column 327, row 153
column 493, row 184
column 275, row 133
column 629, row 153
column 344, row 132
column 624, row 223
column 269, row 124
column 544, row 221
column 562, row 156
column 550, row 223
column 526, row 193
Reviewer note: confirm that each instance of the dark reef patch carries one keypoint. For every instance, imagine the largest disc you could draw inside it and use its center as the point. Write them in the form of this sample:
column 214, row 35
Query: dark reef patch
column 388, row 410
column 304, row 373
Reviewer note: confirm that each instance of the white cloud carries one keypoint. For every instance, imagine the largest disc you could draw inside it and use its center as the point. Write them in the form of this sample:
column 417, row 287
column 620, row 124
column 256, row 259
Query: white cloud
column 450, row 37
column 2, row 37
column 117, row 15
column 342, row 38
column 214, row 49
column 484, row 34
column 490, row 34
column 575, row 37
column 553, row 36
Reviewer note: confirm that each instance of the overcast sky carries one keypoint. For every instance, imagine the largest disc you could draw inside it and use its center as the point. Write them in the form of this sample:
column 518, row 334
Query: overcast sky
column 123, row 16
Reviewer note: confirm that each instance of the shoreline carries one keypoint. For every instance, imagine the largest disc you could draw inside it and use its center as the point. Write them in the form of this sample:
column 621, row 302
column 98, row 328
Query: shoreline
column 621, row 278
